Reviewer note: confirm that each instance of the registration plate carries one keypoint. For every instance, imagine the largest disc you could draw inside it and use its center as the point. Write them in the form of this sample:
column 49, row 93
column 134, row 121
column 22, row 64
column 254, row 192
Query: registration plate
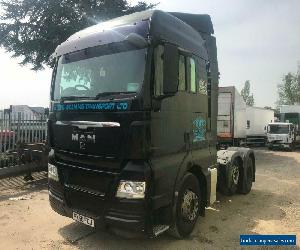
column 83, row 219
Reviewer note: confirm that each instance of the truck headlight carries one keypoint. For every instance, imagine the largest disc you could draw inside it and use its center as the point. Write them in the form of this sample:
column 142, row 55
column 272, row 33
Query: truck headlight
column 131, row 189
column 52, row 172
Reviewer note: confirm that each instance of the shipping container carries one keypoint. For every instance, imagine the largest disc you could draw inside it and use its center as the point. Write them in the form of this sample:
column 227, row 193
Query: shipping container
column 231, row 125
column 256, row 124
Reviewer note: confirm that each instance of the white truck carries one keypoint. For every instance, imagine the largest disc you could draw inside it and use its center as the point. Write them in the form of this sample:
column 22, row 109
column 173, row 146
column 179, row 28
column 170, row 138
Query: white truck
column 281, row 135
column 257, row 120
column 290, row 120
column 231, row 127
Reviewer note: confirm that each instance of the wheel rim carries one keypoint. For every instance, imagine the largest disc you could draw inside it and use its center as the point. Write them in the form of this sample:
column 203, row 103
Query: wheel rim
column 190, row 205
column 235, row 175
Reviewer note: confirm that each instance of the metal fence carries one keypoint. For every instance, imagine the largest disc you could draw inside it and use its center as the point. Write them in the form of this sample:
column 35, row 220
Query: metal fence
column 17, row 129
column 22, row 147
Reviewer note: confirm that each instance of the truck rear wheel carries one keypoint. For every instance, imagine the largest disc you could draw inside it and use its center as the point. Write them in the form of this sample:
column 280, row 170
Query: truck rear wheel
column 230, row 178
column 292, row 147
column 246, row 181
column 187, row 207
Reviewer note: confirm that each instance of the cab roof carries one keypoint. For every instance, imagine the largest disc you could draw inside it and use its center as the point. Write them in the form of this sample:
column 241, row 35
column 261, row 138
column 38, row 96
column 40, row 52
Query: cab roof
column 178, row 28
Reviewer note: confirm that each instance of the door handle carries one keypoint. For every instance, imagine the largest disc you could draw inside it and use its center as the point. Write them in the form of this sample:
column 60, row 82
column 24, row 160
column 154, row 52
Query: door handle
column 187, row 141
column 186, row 137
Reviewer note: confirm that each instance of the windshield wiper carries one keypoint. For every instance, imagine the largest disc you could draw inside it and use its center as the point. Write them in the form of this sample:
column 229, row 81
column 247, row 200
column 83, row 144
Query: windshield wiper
column 73, row 97
column 104, row 94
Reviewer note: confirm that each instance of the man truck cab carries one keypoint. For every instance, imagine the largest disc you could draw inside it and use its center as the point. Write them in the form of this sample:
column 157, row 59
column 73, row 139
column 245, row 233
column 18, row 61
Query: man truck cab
column 281, row 135
column 132, row 127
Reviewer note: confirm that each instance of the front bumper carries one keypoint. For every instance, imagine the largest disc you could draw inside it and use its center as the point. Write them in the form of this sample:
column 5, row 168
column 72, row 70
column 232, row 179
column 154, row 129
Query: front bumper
column 278, row 145
column 119, row 219
column 73, row 193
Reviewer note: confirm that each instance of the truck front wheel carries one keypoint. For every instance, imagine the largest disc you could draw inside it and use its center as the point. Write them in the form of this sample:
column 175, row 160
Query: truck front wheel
column 187, row 207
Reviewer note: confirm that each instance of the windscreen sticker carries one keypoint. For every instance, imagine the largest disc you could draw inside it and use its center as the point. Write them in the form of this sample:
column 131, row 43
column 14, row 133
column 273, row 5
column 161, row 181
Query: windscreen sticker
column 111, row 106
column 199, row 129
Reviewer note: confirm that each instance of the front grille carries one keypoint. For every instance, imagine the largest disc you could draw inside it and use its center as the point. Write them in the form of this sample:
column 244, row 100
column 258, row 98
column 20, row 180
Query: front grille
column 86, row 189
column 90, row 161
column 85, row 203
column 88, row 180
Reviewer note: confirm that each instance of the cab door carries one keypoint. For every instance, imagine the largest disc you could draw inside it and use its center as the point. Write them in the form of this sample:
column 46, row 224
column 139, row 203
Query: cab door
column 198, row 102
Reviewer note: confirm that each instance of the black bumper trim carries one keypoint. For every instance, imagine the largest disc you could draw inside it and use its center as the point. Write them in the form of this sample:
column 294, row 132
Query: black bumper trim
column 121, row 220
column 85, row 190
column 61, row 208
column 55, row 197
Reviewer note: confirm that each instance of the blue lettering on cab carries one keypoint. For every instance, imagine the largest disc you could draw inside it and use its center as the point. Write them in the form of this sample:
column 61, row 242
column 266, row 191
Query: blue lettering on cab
column 101, row 106
column 199, row 129
column 122, row 106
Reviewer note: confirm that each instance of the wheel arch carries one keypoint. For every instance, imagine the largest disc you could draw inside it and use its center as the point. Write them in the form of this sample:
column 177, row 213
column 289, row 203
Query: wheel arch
column 202, row 179
column 201, row 174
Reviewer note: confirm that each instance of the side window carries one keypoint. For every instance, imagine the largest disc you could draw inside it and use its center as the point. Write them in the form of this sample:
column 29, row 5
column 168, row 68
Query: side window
column 193, row 75
column 159, row 70
column 203, row 81
column 181, row 74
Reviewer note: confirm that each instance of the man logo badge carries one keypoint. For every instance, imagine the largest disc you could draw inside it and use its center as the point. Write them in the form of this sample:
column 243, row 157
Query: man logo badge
column 74, row 137
column 84, row 139
column 82, row 142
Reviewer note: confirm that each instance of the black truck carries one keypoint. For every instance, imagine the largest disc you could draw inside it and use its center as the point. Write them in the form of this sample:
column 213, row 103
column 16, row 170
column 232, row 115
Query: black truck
column 133, row 125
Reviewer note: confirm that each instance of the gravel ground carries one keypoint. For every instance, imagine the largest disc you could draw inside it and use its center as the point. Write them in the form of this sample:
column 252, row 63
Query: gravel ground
column 272, row 207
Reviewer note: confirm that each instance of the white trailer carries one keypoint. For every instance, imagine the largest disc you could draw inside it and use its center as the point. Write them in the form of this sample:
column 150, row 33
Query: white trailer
column 256, row 124
column 291, row 114
column 231, row 125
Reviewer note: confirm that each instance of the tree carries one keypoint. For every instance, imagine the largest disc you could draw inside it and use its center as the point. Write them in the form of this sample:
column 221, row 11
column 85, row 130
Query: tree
column 32, row 29
column 289, row 89
column 249, row 99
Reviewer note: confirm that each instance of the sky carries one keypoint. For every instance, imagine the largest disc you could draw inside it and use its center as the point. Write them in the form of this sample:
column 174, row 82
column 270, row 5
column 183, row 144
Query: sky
column 257, row 40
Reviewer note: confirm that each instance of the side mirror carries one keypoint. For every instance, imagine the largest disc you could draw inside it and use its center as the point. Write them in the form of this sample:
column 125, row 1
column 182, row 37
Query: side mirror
column 171, row 56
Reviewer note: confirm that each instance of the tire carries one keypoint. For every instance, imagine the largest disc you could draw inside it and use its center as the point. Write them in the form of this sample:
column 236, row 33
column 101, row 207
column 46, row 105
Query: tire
column 246, row 180
column 187, row 207
column 230, row 178
column 292, row 147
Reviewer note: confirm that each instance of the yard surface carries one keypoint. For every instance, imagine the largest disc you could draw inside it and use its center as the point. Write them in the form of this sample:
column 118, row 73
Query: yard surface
column 272, row 207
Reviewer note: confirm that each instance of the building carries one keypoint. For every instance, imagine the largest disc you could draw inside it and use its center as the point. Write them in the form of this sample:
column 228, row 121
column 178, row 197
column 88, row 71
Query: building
column 25, row 112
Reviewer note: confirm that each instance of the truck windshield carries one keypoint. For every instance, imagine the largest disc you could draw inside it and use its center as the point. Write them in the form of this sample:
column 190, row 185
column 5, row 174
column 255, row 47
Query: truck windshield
column 93, row 74
column 278, row 129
